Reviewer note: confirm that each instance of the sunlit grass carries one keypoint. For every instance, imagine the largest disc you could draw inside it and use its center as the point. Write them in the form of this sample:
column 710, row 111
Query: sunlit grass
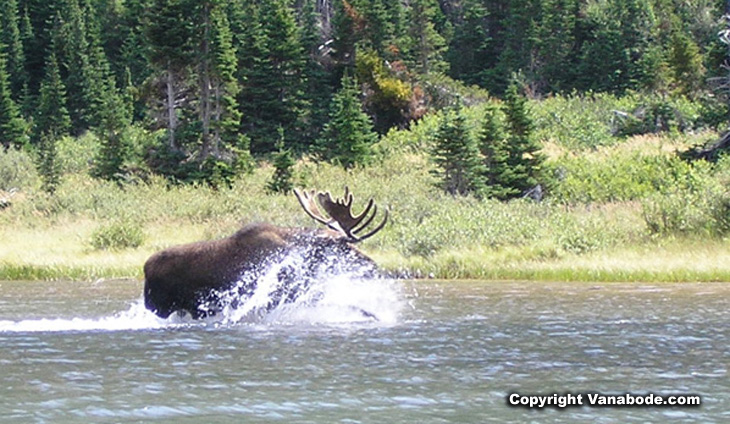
column 592, row 227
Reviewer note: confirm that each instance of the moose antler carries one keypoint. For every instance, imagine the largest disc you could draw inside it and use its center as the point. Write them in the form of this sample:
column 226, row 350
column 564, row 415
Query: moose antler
column 340, row 213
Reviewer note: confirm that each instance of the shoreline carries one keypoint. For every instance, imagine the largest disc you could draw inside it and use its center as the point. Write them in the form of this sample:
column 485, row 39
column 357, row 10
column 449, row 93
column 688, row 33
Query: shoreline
column 634, row 264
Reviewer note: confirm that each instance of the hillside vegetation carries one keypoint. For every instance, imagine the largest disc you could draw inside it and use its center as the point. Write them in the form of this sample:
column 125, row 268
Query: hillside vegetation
column 540, row 139
column 616, row 209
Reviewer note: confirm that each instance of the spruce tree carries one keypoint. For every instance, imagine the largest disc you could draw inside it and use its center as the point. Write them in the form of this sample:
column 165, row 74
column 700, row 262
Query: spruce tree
column 168, row 35
column 348, row 136
column 27, row 102
column 51, row 123
column 115, row 146
column 686, row 62
column 319, row 82
column 525, row 158
column 460, row 167
column 12, row 43
column 272, row 62
column 283, row 161
column 492, row 141
column 379, row 31
column 426, row 46
column 226, row 116
column 469, row 52
column 12, row 126
column 69, row 38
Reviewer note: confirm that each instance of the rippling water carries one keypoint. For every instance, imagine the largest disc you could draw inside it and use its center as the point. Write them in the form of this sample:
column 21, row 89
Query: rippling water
column 441, row 352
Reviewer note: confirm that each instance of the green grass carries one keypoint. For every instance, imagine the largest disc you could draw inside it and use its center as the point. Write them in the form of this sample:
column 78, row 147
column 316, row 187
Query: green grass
column 623, row 209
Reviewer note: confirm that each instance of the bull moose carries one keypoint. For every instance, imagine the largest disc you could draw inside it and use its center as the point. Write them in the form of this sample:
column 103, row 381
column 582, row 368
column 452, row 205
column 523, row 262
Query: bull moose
column 191, row 278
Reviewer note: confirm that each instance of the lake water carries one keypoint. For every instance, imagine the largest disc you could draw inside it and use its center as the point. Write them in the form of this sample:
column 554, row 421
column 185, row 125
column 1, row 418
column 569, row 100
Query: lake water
column 441, row 352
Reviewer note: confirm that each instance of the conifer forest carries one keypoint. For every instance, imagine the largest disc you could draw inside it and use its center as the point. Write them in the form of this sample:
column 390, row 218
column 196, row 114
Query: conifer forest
column 216, row 84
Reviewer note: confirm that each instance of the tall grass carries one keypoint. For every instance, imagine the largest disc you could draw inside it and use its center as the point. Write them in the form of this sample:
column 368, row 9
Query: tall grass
column 603, row 196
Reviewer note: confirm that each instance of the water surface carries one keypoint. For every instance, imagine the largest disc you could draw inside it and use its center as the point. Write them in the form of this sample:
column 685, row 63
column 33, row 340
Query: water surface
column 442, row 352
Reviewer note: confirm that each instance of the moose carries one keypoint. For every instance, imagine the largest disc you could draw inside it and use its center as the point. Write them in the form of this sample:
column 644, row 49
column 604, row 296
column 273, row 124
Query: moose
column 190, row 278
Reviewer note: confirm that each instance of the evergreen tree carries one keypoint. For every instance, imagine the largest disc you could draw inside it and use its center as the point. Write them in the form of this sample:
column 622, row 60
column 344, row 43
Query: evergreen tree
column 348, row 136
column 52, row 115
column 460, row 166
column 51, row 123
column 556, row 45
column 48, row 166
column 272, row 63
column 426, row 47
column 81, row 78
column 612, row 58
column 347, row 27
column 12, row 126
column 12, row 43
column 168, row 35
column 113, row 133
column 226, row 119
column 525, row 158
column 133, row 55
column 469, row 53
column 378, row 31
column 281, row 181
column 686, row 62
column 398, row 29
column 520, row 35
column 319, row 82
column 498, row 173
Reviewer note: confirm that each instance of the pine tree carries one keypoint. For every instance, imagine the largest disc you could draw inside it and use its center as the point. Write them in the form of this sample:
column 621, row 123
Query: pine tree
column 521, row 24
column 51, row 123
column 226, row 124
column 686, row 62
column 556, row 41
column 347, row 25
column 281, row 181
column 27, row 101
column 426, row 46
column 379, row 31
column 12, row 126
column 113, row 133
column 348, row 136
column 469, row 54
column 460, row 167
column 12, row 43
column 272, row 62
column 82, row 78
column 52, row 115
column 492, row 141
column 525, row 158
column 168, row 35
column 319, row 82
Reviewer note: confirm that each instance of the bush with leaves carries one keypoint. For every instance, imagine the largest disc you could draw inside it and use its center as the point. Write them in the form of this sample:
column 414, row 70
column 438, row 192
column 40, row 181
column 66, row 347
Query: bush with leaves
column 118, row 235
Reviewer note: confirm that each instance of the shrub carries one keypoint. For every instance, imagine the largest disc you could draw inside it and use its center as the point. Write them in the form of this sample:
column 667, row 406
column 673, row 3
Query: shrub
column 698, row 203
column 117, row 235
column 17, row 170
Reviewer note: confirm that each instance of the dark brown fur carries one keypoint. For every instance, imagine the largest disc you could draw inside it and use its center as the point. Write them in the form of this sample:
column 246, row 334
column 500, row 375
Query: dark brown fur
column 181, row 278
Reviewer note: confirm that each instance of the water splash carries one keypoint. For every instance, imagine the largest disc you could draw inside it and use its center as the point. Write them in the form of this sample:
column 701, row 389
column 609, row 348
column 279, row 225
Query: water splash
column 137, row 317
column 329, row 296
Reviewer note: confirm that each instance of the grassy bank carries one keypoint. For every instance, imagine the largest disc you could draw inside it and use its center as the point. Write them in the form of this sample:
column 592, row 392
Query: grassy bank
column 624, row 209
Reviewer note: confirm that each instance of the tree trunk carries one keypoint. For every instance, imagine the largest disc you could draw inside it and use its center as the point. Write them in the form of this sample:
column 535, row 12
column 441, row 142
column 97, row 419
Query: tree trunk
column 205, row 85
column 171, row 112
